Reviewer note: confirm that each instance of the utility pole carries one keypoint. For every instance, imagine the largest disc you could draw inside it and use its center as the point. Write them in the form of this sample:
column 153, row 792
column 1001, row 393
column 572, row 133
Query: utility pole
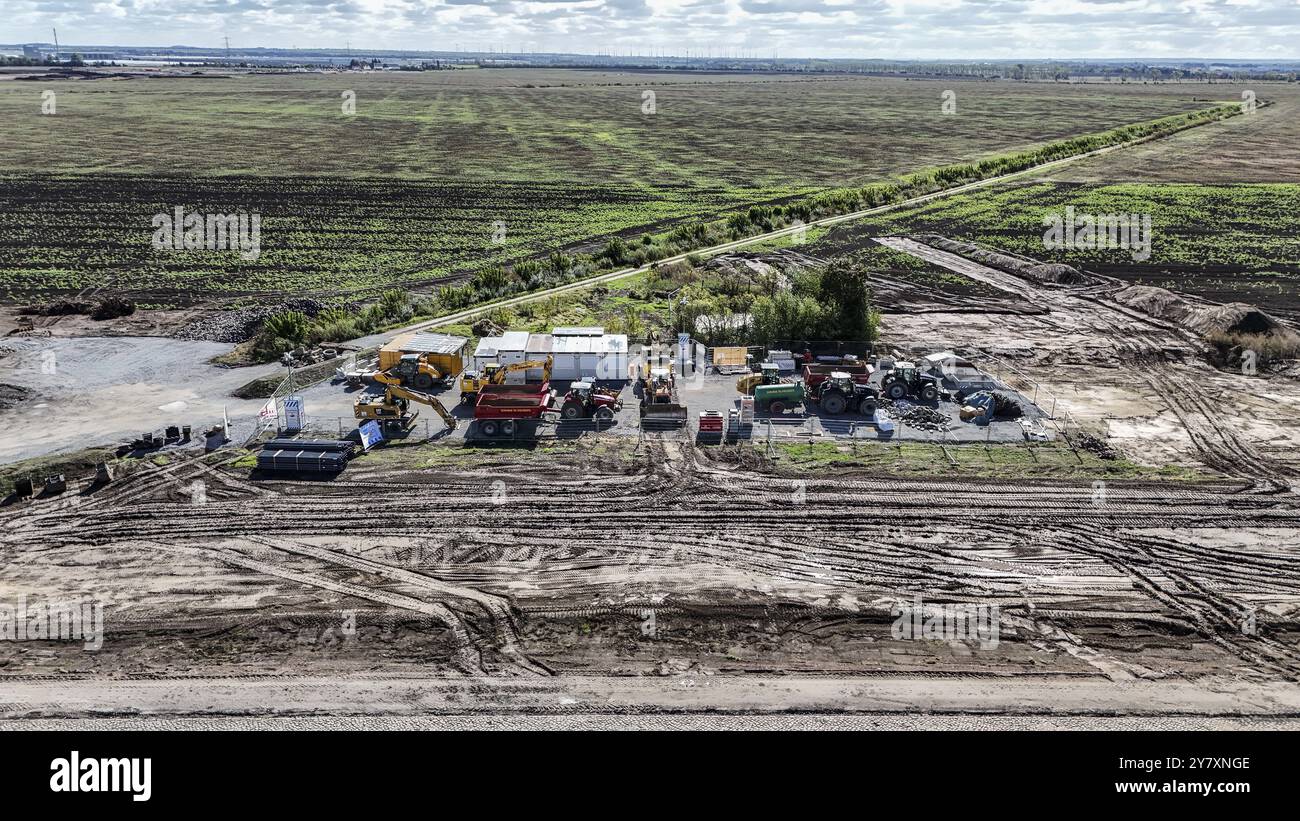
column 56, row 44
column 227, row 39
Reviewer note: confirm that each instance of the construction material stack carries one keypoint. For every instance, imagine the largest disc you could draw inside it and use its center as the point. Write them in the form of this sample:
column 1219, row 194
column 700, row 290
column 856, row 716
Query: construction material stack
column 305, row 455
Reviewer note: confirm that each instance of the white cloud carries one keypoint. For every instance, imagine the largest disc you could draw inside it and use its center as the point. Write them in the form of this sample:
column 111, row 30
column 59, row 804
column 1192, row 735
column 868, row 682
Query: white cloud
column 932, row 29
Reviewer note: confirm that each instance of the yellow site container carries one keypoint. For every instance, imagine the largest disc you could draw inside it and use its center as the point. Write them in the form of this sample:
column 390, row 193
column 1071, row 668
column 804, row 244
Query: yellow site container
column 442, row 351
column 730, row 356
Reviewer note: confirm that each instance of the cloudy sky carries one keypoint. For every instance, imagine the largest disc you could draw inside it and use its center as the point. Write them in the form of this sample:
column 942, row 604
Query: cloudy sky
column 957, row 29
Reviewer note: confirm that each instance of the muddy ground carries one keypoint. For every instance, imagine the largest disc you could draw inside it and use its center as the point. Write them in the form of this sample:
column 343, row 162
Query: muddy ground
column 656, row 566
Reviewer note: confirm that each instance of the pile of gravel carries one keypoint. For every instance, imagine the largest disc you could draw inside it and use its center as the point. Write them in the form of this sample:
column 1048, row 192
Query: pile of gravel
column 241, row 324
column 917, row 417
column 12, row 395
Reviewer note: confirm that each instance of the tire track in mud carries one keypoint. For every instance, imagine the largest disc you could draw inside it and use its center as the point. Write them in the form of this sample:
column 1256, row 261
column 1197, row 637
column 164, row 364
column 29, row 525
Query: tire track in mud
column 497, row 608
column 468, row 656
column 849, row 534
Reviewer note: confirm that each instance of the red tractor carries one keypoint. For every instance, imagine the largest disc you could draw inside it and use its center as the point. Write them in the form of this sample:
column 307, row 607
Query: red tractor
column 584, row 401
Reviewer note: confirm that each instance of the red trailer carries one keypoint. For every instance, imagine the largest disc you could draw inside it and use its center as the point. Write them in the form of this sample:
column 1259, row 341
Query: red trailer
column 814, row 375
column 499, row 412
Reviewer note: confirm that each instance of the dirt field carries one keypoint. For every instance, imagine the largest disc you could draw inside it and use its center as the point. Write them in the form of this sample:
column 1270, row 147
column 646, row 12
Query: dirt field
column 1255, row 148
column 720, row 578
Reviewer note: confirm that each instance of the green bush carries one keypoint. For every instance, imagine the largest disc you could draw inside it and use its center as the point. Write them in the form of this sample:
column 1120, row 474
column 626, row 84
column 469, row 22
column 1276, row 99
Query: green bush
column 290, row 325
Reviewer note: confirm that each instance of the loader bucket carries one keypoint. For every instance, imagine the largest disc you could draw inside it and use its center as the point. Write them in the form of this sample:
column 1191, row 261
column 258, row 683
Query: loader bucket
column 665, row 413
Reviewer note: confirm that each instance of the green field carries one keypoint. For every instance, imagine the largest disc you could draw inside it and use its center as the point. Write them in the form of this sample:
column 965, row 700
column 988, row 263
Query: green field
column 418, row 184
column 1224, row 242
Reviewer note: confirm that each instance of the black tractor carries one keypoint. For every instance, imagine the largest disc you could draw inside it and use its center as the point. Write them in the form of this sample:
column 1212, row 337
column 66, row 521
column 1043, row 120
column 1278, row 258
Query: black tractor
column 904, row 381
column 840, row 393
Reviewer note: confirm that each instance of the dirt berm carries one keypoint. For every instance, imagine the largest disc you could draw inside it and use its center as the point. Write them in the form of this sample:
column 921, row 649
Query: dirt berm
column 1202, row 317
column 1044, row 273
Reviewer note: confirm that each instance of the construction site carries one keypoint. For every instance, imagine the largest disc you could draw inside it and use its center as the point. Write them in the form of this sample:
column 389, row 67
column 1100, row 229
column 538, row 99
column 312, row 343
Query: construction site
column 1057, row 516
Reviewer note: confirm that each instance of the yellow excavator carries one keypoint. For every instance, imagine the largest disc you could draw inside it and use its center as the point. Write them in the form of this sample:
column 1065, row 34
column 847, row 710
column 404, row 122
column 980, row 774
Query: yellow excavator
column 411, row 371
column 471, row 382
column 392, row 408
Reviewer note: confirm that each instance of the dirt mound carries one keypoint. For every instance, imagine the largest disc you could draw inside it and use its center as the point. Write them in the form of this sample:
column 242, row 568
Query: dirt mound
column 1046, row 273
column 1057, row 272
column 759, row 267
column 109, row 307
column 1204, row 318
column 241, row 324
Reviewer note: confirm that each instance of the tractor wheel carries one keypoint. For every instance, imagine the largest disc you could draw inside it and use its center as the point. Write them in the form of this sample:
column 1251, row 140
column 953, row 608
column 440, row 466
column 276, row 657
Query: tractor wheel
column 930, row 392
column 423, row 382
column 897, row 391
column 868, row 407
column 604, row 414
column 776, row 408
column 489, row 427
column 571, row 410
column 508, row 427
column 834, row 403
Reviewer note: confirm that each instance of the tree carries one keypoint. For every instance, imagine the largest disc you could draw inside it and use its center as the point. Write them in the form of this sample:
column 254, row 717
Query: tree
column 787, row 316
column 846, row 294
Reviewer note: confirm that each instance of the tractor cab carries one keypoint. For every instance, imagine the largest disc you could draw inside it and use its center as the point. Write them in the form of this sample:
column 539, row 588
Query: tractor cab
column 408, row 367
column 473, row 381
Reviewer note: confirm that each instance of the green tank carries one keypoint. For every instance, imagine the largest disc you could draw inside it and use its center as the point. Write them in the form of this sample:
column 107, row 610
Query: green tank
column 777, row 398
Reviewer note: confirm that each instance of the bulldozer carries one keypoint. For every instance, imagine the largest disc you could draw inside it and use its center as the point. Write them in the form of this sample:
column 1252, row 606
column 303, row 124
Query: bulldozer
column 471, row 382
column 392, row 408
column 659, row 396
column 411, row 371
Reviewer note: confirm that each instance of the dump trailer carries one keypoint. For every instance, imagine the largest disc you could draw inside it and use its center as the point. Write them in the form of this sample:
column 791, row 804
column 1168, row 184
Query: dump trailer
column 815, row 374
column 493, row 378
column 499, row 413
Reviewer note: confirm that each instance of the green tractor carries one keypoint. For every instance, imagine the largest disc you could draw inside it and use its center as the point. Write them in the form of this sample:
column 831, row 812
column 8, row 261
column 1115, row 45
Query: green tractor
column 904, row 381
column 840, row 392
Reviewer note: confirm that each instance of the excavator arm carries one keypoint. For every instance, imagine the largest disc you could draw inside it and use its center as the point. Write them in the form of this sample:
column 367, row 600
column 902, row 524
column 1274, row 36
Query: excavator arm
column 499, row 376
column 396, row 392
